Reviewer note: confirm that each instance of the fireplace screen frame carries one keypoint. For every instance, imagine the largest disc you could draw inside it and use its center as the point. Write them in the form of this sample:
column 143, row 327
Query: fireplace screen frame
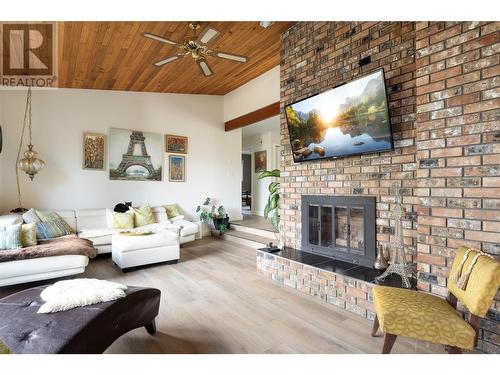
column 340, row 252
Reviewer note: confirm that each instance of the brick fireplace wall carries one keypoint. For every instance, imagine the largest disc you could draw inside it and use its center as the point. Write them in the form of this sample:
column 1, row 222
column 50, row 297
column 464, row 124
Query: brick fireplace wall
column 443, row 81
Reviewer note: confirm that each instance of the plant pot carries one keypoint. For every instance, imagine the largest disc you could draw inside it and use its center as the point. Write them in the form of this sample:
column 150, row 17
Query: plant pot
column 218, row 222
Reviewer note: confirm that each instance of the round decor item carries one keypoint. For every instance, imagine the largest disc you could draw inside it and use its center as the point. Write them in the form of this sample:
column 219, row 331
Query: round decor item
column 135, row 233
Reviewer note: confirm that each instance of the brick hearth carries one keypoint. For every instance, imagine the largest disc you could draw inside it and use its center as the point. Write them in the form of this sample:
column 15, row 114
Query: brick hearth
column 442, row 80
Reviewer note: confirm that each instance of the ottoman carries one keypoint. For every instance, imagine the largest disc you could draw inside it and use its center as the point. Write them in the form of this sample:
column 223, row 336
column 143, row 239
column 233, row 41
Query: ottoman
column 133, row 251
column 83, row 330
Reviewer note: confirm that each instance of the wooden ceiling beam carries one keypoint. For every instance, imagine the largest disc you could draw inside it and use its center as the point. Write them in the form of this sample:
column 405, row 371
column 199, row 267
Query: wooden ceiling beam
column 260, row 114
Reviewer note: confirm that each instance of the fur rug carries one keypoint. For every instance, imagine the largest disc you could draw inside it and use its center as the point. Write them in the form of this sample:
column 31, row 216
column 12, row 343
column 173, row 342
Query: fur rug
column 68, row 294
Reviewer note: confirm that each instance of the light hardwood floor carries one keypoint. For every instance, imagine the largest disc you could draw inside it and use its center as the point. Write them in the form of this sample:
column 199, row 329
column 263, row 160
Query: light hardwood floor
column 213, row 301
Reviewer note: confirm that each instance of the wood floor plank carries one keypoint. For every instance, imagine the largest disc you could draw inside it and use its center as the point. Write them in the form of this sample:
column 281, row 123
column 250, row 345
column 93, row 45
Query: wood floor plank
column 213, row 301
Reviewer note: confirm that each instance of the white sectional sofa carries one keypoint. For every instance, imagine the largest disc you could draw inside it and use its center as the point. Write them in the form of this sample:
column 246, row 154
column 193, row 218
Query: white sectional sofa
column 90, row 224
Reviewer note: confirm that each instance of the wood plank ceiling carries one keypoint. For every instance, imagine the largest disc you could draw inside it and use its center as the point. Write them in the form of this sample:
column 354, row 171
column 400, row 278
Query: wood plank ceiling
column 115, row 56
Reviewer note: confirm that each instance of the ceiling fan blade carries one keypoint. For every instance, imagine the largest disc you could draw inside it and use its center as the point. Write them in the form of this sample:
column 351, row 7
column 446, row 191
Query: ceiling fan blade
column 166, row 61
column 208, row 35
column 205, row 69
column 229, row 56
column 160, row 39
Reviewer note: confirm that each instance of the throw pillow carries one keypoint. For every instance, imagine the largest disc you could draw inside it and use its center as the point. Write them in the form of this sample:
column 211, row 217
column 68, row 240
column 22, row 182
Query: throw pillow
column 30, row 216
column 123, row 220
column 4, row 349
column 46, row 230
column 10, row 237
column 142, row 215
column 28, row 234
column 51, row 216
column 173, row 210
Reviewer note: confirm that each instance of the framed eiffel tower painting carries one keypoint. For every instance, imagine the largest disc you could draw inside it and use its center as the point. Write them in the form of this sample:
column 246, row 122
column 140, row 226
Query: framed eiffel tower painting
column 135, row 155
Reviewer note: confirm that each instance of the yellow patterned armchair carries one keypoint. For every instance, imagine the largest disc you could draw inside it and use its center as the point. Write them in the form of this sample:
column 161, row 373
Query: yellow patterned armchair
column 474, row 280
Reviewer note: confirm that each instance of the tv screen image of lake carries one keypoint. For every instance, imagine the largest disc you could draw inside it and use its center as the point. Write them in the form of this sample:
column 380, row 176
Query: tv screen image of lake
column 351, row 119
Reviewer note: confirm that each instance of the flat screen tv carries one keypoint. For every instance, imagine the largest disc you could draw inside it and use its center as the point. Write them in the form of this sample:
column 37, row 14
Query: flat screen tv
column 350, row 119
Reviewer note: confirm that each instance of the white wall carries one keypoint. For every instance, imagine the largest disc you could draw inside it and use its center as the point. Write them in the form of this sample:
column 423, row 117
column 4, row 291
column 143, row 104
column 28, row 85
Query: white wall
column 263, row 140
column 258, row 93
column 60, row 117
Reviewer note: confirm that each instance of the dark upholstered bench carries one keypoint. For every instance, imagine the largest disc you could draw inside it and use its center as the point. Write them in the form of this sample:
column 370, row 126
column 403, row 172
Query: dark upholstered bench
column 84, row 330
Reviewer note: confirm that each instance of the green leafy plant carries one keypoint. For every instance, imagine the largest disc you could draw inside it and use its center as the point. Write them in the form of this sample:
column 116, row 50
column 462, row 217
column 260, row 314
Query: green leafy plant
column 210, row 213
column 272, row 207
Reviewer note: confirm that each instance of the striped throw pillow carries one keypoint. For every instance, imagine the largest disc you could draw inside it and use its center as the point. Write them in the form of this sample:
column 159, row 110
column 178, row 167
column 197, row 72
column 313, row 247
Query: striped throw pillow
column 51, row 216
column 46, row 230
column 10, row 237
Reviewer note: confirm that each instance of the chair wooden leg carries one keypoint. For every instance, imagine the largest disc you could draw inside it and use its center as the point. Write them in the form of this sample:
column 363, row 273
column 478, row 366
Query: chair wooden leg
column 453, row 349
column 388, row 343
column 375, row 326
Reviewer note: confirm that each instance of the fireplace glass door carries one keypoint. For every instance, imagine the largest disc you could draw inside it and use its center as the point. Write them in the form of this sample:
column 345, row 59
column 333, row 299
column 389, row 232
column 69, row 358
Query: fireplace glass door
column 340, row 228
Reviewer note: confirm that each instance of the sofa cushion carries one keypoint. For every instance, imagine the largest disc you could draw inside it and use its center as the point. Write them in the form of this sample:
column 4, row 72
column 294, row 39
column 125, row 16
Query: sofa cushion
column 30, row 216
column 28, row 234
column 142, row 215
column 10, row 237
column 99, row 237
column 131, row 243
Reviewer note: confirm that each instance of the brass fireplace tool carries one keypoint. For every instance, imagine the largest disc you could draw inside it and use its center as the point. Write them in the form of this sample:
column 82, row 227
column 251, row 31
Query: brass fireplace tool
column 398, row 264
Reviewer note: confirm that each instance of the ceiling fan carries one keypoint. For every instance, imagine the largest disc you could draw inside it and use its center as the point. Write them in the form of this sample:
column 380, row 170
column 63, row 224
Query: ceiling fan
column 196, row 46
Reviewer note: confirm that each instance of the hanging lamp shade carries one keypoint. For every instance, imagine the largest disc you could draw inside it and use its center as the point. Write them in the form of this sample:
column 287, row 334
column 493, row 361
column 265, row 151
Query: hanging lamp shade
column 30, row 164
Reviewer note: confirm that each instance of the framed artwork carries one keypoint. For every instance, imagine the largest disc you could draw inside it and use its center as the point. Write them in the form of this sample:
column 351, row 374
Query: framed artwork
column 176, row 144
column 177, row 168
column 260, row 161
column 135, row 155
column 94, row 151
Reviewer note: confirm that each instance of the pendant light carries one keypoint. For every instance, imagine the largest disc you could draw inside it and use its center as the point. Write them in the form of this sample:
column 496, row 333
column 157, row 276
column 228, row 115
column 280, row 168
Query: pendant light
column 30, row 164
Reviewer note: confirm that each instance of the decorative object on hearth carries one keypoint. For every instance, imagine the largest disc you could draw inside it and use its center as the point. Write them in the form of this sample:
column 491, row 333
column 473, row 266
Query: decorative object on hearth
column 30, row 164
column 94, row 151
column 196, row 46
column 398, row 264
column 135, row 155
column 177, row 144
column 209, row 212
column 260, row 161
column 381, row 261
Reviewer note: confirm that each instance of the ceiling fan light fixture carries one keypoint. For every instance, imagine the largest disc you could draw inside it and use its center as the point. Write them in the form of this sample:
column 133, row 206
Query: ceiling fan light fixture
column 231, row 57
column 266, row 24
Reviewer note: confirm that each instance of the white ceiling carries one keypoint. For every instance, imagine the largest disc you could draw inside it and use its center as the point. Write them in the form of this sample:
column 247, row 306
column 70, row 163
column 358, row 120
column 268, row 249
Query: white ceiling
column 270, row 124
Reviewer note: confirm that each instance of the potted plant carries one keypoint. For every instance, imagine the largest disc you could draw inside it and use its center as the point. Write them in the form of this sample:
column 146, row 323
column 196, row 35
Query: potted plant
column 272, row 207
column 210, row 213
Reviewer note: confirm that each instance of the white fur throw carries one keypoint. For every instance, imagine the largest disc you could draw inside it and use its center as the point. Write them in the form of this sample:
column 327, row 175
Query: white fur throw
column 68, row 294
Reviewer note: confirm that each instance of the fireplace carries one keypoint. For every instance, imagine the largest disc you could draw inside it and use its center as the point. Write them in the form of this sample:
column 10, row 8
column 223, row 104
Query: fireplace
column 339, row 228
